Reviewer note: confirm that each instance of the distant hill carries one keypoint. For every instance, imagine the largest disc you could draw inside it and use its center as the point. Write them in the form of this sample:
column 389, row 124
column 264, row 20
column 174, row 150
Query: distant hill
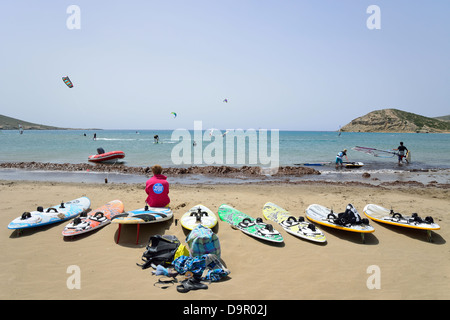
column 445, row 118
column 8, row 123
column 394, row 120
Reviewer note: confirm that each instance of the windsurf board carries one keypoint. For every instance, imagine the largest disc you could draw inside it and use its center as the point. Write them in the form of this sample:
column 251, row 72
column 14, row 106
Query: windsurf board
column 297, row 227
column 144, row 215
column 383, row 215
column 313, row 164
column 348, row 164
column 408, row 156
column 196, row 215
column 248, row 225
column 57, row 213
column 93, row 220
column 325, row 216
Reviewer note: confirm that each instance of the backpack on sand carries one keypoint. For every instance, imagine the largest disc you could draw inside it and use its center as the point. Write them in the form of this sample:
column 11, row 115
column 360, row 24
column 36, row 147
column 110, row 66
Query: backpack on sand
column 201, row 240
column 160, row 250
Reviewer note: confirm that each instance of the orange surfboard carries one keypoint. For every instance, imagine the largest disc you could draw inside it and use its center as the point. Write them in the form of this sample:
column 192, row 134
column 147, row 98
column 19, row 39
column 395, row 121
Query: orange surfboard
column 95, row 219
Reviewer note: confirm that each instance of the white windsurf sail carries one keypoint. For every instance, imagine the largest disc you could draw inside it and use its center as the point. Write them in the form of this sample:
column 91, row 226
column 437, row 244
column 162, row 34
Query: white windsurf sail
column 376, row 152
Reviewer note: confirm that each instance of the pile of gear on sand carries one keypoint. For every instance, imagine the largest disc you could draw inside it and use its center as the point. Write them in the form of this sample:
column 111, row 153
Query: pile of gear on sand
column 191, row 266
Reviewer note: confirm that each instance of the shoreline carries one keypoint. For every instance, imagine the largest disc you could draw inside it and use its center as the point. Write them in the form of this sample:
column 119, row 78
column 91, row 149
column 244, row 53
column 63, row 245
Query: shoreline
column 119, row 173
column 121, row 168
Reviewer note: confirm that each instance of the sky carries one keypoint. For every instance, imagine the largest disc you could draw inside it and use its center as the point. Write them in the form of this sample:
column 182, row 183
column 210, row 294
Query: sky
column 281, row 64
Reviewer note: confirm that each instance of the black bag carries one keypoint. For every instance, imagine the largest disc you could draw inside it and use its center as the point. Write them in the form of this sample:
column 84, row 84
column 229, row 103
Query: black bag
column 160, row 250
column 350, row 217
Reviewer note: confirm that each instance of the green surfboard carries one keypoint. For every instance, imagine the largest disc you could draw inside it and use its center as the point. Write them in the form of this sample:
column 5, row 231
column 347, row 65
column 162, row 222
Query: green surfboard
column 251, row 226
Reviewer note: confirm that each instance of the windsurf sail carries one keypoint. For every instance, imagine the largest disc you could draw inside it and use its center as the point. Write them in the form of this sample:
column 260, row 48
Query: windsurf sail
column 376, row 152
column 67, row 82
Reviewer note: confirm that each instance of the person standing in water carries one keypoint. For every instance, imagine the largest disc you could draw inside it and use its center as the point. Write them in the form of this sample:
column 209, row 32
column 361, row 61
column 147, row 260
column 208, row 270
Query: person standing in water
column 402, row 151
column 339, row 157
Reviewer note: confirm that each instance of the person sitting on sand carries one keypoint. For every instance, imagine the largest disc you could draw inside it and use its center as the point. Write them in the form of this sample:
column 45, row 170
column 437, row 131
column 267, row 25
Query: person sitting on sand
column 339, row 157
column 401, row 153
column 157, row 189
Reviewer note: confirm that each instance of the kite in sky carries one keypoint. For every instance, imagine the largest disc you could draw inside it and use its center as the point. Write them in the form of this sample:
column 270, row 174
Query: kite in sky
column 225, row 100
column 67, row 82
column 174, row 114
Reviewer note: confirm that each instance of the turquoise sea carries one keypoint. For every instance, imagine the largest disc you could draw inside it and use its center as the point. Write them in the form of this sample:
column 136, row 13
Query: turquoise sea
column 429, row 151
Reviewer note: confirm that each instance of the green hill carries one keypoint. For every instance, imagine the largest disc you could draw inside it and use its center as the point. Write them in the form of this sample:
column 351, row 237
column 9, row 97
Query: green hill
column 445, row 118
column 394, row 120
column 8, row 123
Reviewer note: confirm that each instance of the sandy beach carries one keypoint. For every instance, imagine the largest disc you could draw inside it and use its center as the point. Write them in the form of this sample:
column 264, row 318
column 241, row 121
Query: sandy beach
column 35, row 264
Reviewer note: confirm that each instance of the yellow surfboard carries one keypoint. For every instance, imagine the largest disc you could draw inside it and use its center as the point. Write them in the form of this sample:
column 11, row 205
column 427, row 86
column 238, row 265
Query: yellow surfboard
column 323, row 216
column 383, row 215
column 297, row 227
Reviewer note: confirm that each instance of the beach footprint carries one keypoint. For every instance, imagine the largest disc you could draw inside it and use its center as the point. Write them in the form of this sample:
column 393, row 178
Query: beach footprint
column 181, row 205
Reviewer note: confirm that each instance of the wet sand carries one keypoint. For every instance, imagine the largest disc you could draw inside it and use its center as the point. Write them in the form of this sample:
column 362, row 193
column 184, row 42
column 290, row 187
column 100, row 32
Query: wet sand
column 120, row 173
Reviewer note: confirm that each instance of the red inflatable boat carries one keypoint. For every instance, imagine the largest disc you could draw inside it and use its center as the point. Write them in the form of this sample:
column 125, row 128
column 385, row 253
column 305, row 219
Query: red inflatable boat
column 106, row 156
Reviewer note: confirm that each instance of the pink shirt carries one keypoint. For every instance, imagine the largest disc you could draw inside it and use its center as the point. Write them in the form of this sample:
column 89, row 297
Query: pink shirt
column 157, row 189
